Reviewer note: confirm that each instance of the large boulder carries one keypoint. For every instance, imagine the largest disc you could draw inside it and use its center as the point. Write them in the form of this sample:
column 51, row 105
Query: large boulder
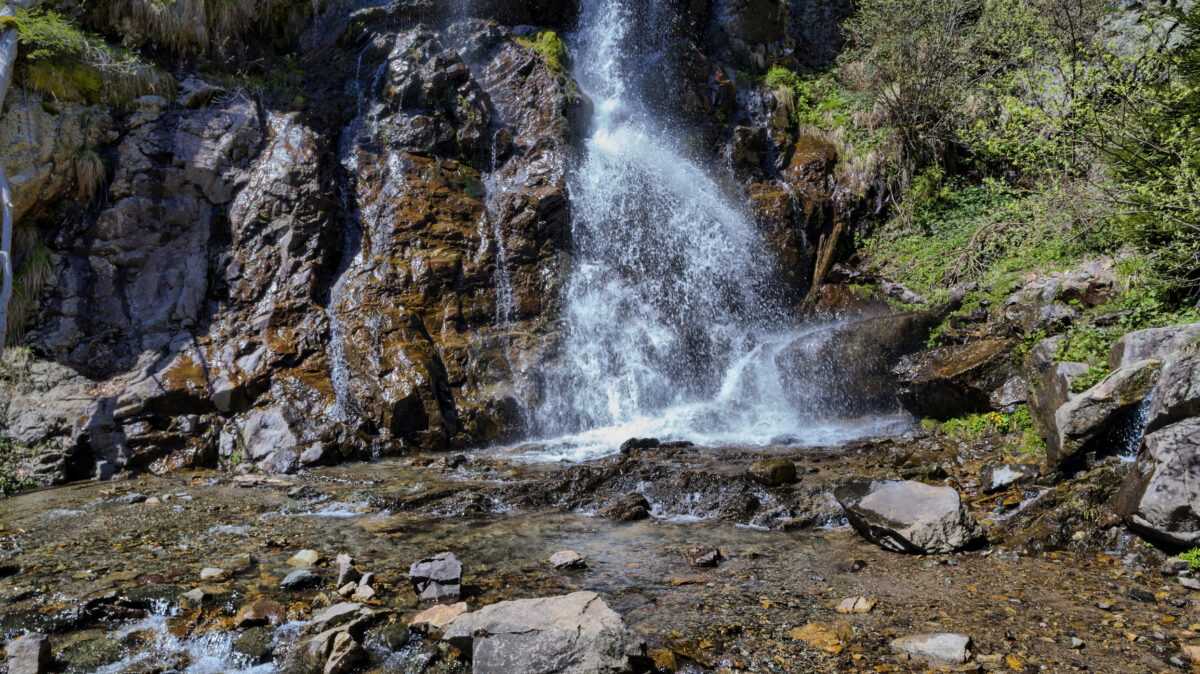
column 954, row 380
column 908, row 516
column 573, row 634
column 1096, row 420
column 1150, row 343
column 1161, row 497
column 1053, row 390
column 1177, row 394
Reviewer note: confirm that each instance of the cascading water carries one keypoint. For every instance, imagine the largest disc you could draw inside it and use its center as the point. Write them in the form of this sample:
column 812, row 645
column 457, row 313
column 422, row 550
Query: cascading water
column 671, row 319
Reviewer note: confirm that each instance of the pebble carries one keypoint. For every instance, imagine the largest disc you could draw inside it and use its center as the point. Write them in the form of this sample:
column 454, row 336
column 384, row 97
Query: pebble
column 211, row 573
column 1189, row 583
column 304, row 558
column 1104, row 605
column 856, row 605
column 1076, row 643
column 704, row 557
column 192, row 598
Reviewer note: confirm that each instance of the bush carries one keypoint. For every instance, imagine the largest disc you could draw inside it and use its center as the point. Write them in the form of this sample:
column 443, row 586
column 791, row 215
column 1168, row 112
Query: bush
column 550, row 47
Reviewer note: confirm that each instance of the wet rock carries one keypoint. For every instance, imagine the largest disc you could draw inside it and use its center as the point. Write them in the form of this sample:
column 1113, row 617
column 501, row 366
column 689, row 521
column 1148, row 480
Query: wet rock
column 1177, row 393
column 1028, row 319
column 395, row 636
column 704, row 557
column 434, row 620
column 1173, row 566
column 90, row 655
column 192, row 598
column 213, row 573
column 284, row 462
column 1152, row 343
column 1100, row 412
column 664, row 660
column 1159, row 499
column 304, row 558
column 773, row 472
column 567, row 559
column 300, row 578
column 345, row 655
column 639, row 443
column 944, row 646
column 255, row 643
column 28, row 654
column 437, row 578
column 338, row 616
column 259, row 612
column 954, row 380
column 1138, row 594
column 628, row 508
column 577, row 632
column 996, row 477
column 908, row 516
column 1053, row 390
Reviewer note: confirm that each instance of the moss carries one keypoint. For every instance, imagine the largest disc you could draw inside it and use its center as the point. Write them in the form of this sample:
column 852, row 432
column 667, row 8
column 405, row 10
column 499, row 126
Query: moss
column 548, row 45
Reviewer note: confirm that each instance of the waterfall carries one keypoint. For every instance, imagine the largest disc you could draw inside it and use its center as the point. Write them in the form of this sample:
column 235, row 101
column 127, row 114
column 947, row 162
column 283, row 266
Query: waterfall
column 672, row 319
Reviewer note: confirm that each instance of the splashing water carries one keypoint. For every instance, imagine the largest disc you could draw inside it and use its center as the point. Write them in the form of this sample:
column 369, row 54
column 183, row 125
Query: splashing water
column 672, row 322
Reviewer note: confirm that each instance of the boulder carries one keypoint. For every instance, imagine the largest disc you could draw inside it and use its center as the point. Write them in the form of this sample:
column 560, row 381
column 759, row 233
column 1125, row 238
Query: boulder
column 944, row 646
column 1053, row 390
column 773, row 472
column 954, row 380
column 908, row 516
column 437, row 578
column 570, row 634
column 1161, row 497
column 1150, row 343
column 1177, row 394
column 1093, row 420
column 29, row 654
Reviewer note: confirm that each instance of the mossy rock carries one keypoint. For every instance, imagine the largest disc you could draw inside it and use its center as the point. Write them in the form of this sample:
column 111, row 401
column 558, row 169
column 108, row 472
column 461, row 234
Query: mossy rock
column 88, row 656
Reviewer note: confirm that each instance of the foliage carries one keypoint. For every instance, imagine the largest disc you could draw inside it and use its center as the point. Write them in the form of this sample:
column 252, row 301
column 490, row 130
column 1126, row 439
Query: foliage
column 10, row 479
column 550, row 47
column 65, row 63
column 1192, row 557
column 973, row 427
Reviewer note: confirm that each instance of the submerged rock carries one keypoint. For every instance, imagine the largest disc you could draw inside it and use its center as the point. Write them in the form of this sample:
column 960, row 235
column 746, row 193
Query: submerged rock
column 299, row 578
column 567, row 559
column 908, row 516
column 1161, row 498
column 574, row 634
column 945, row 646
column 704, row 557
column 773, row 472
column 437, row 578
column 996, row 477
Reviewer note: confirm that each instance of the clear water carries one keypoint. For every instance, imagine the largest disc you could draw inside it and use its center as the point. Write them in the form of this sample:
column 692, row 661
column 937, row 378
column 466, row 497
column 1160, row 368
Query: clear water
column 672, row 321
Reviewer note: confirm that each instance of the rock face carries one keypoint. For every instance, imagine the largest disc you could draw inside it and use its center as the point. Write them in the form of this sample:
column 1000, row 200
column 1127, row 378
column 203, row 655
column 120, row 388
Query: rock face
column 1151, row 343
column 1177, row 394
column 951, row 381
column 574, row 634
column 1097, row 416
column 908, row 516
column 1053, row 390
column 1161, row 498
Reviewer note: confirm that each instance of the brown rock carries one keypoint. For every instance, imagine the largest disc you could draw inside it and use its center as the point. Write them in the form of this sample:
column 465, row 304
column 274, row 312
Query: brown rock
column 260, row 611
column 434, row 620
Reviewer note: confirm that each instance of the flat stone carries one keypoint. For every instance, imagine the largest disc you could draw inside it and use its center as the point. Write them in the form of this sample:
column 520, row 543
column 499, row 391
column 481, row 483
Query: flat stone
column 434, row 620
column 577, row 632
column 338, row 614
column 944, row 646
column 996, row 477
column 299, row 578
column 212, row 573
column 856, row 605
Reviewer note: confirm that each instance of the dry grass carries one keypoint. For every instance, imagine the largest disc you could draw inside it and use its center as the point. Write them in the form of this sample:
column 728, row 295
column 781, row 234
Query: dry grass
column 34, row 267
column 189, row 27
column 89, row 173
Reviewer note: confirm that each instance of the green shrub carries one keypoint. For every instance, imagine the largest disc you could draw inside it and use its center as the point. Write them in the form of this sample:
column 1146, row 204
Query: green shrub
column 1192, row 557
column 550, row 47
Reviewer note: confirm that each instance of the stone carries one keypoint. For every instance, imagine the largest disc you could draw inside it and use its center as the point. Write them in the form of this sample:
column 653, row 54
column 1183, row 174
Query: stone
column 1177, row 393
column 851, row 565
column 363, row 593
column 304, row 558
column 282, row 462
column 436, row 578
column 996, row 477
column 267, row 431
column 947, row 647
column 345, row 655
column 434, row 620
column 258, row 612
column 773, row 472
column 1155, row 343
column 1174, row 566
column 1161, row 497
column 704, row 557
column 29, row 654
column 192, row 598
column 574, row 633
column 395, row 636
column 212, row 573
column 951, row 381
column 830, row 638
column 664, row 660
column 1053, row 390
column 1091, row 420
column 1190, row 583
column 255, row 643
column 300, row 578
column 347, row 573
column 908, row 516
column 639, row 443
column 567, row 559
column 628, row 508
column 856, row 605
column 337, row 616
column 1139, row 594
